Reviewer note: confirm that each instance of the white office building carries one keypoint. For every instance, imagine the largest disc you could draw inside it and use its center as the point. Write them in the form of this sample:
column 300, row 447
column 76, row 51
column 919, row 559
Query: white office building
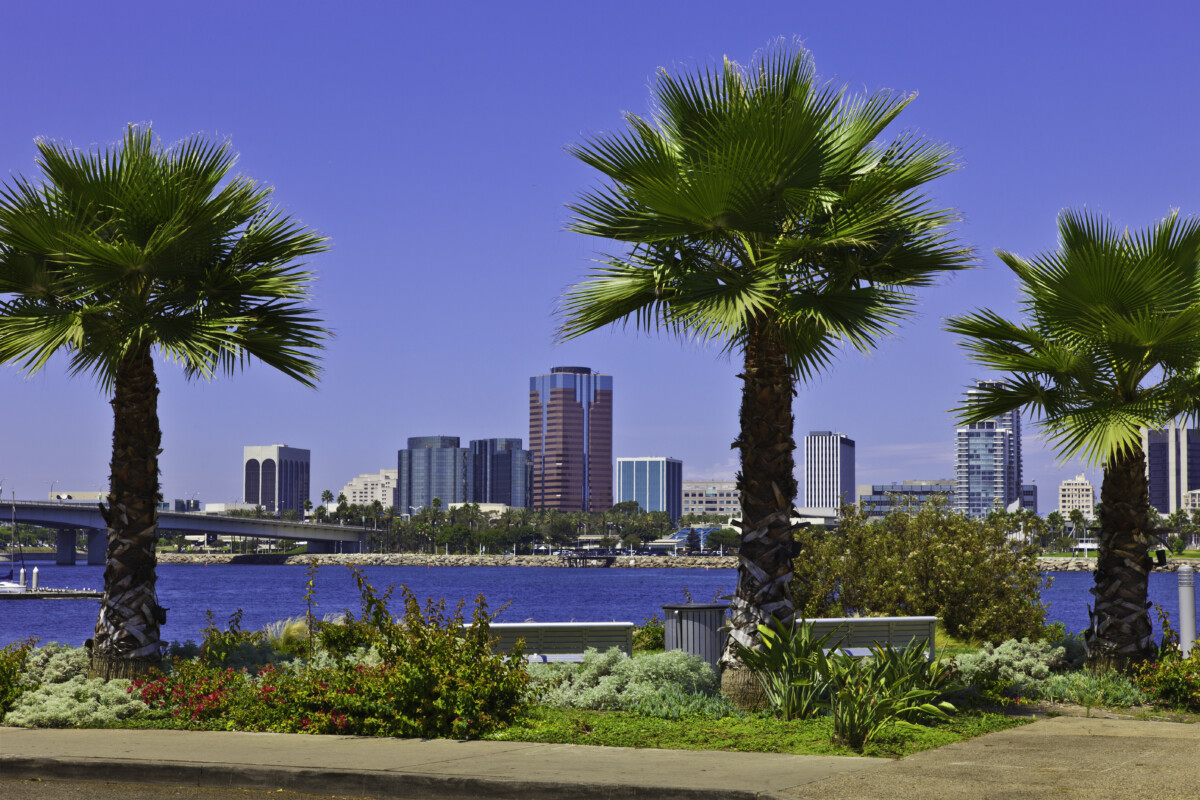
column 656, row 483
column 987, row 463
column 828, row 470
column 711, row 498
column 276, row 477
column 366, row 489
column 1077, row 494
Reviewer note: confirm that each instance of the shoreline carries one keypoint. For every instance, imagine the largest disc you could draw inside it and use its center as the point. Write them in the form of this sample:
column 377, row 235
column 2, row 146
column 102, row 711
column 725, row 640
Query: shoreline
column 1047, row 564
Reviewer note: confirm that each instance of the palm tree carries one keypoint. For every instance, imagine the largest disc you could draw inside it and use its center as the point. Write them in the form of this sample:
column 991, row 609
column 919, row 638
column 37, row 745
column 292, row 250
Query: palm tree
column 759, row 208
column 1111, row 344
column 136, row 250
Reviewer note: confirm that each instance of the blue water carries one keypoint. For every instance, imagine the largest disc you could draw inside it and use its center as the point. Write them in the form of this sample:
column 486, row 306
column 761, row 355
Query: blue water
column 267, row 594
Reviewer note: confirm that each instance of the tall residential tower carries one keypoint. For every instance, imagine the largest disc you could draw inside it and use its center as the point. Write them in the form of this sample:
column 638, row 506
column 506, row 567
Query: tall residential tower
column 987, row 463
column 570, row 439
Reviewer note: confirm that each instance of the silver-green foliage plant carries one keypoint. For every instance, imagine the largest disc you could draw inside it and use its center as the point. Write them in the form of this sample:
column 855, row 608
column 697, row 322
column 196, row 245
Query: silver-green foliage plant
column 75, row 703
column 54, row 663
column 610, row 681
column 1014, row 667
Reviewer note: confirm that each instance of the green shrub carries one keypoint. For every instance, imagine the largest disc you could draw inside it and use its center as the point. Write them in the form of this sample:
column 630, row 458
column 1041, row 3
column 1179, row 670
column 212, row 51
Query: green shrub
column 791, row 667
column 611, row 681
column 1086, row 688
column 863, row 698
column 672, row 702
column 650, row 635
column 1174, row 683
column 75, row 703
column 13, row 657
column 234, row 648
column 929, row 563
column 1014, row 667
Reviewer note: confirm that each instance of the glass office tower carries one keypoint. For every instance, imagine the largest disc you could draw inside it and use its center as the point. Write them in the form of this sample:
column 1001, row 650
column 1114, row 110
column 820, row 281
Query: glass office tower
column 431, row 466
column 570, row 439
column 655, row 483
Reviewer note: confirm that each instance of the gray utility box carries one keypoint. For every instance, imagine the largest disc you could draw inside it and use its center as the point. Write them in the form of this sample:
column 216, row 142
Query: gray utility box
column 696, row 628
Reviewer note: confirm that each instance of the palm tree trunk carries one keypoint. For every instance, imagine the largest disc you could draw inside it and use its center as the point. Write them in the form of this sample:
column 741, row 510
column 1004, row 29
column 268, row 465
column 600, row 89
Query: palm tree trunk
column 767, row 487
column 1120, row 632
column 126, row 642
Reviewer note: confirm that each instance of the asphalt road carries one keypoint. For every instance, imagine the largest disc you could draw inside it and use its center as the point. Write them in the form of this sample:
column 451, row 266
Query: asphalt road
column 84, row 790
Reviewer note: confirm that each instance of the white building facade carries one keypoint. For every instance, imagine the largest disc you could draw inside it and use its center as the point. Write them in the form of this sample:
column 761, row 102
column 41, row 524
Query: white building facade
column 828, row 470
column 1077, row 494
column 366, row 489
column 711, row 498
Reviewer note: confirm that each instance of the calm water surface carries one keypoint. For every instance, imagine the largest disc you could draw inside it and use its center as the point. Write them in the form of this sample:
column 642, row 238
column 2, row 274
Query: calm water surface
column 267, row 594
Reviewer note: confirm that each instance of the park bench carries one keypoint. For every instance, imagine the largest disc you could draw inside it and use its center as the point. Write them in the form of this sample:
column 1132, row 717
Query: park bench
column 856, row 635
column 562, row 641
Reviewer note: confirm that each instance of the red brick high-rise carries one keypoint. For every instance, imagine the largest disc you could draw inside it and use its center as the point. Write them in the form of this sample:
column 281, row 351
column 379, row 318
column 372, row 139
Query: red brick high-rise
column 570, row 439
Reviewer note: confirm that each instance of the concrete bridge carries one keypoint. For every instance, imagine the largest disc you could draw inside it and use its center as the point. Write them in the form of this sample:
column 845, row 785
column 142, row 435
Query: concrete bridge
column 68, row 518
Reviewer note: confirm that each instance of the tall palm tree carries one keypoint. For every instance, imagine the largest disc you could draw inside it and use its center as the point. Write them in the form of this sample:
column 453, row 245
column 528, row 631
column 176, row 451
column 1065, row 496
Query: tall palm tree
column 1110, row 344
column 759, row 208
column 136, row 250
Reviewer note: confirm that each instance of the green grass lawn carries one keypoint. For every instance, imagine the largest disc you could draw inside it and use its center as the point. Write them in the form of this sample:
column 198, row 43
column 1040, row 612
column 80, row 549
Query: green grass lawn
column 750, row 733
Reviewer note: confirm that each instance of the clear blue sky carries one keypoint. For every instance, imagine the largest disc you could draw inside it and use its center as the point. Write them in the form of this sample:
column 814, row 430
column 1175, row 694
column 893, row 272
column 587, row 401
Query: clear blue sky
column 427, row 142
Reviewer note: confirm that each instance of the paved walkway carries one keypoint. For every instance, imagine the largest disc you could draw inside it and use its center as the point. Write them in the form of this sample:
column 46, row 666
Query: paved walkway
column 1060, row 757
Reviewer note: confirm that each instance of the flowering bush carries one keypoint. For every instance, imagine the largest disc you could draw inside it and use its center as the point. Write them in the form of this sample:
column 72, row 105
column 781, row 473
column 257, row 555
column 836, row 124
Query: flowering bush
column 428, row 675
column 1174, row 683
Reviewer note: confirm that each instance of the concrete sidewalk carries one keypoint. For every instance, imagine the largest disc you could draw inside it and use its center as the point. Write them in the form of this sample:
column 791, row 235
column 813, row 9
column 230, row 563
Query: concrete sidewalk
column 1061, row 757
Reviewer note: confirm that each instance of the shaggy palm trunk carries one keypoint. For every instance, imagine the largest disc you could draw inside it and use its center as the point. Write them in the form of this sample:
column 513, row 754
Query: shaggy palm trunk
column 126, row 642
column 767, row 487
column 1120, row 632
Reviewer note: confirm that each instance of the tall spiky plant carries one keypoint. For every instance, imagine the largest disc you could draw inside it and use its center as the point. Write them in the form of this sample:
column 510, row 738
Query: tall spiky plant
column 1110, row 345
column 126, row 252
column 760, row 209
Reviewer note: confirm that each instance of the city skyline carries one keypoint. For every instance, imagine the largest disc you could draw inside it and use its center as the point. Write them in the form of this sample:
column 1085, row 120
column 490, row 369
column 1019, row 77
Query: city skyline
column 433, row 173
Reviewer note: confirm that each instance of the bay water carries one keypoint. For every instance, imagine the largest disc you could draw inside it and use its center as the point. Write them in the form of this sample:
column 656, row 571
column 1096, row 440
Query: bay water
column 269, row 593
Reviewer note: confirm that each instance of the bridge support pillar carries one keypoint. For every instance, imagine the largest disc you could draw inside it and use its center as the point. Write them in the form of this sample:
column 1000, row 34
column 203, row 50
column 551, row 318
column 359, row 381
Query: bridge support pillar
column 64, row 554
column 321, row 547
column 97, row 547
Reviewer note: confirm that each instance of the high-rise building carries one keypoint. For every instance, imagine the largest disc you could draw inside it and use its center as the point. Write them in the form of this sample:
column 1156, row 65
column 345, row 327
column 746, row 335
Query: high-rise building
column 275, row 477
column 1172, row 465
column 1029, row 497
column 369, row 487
column 713, row 498
column 655, row 483
column 877, row 500
column 431, row 466
column 987, row 463
column 570, row 439
column 499, row 471
column 1077, row 494
column 828, row 469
